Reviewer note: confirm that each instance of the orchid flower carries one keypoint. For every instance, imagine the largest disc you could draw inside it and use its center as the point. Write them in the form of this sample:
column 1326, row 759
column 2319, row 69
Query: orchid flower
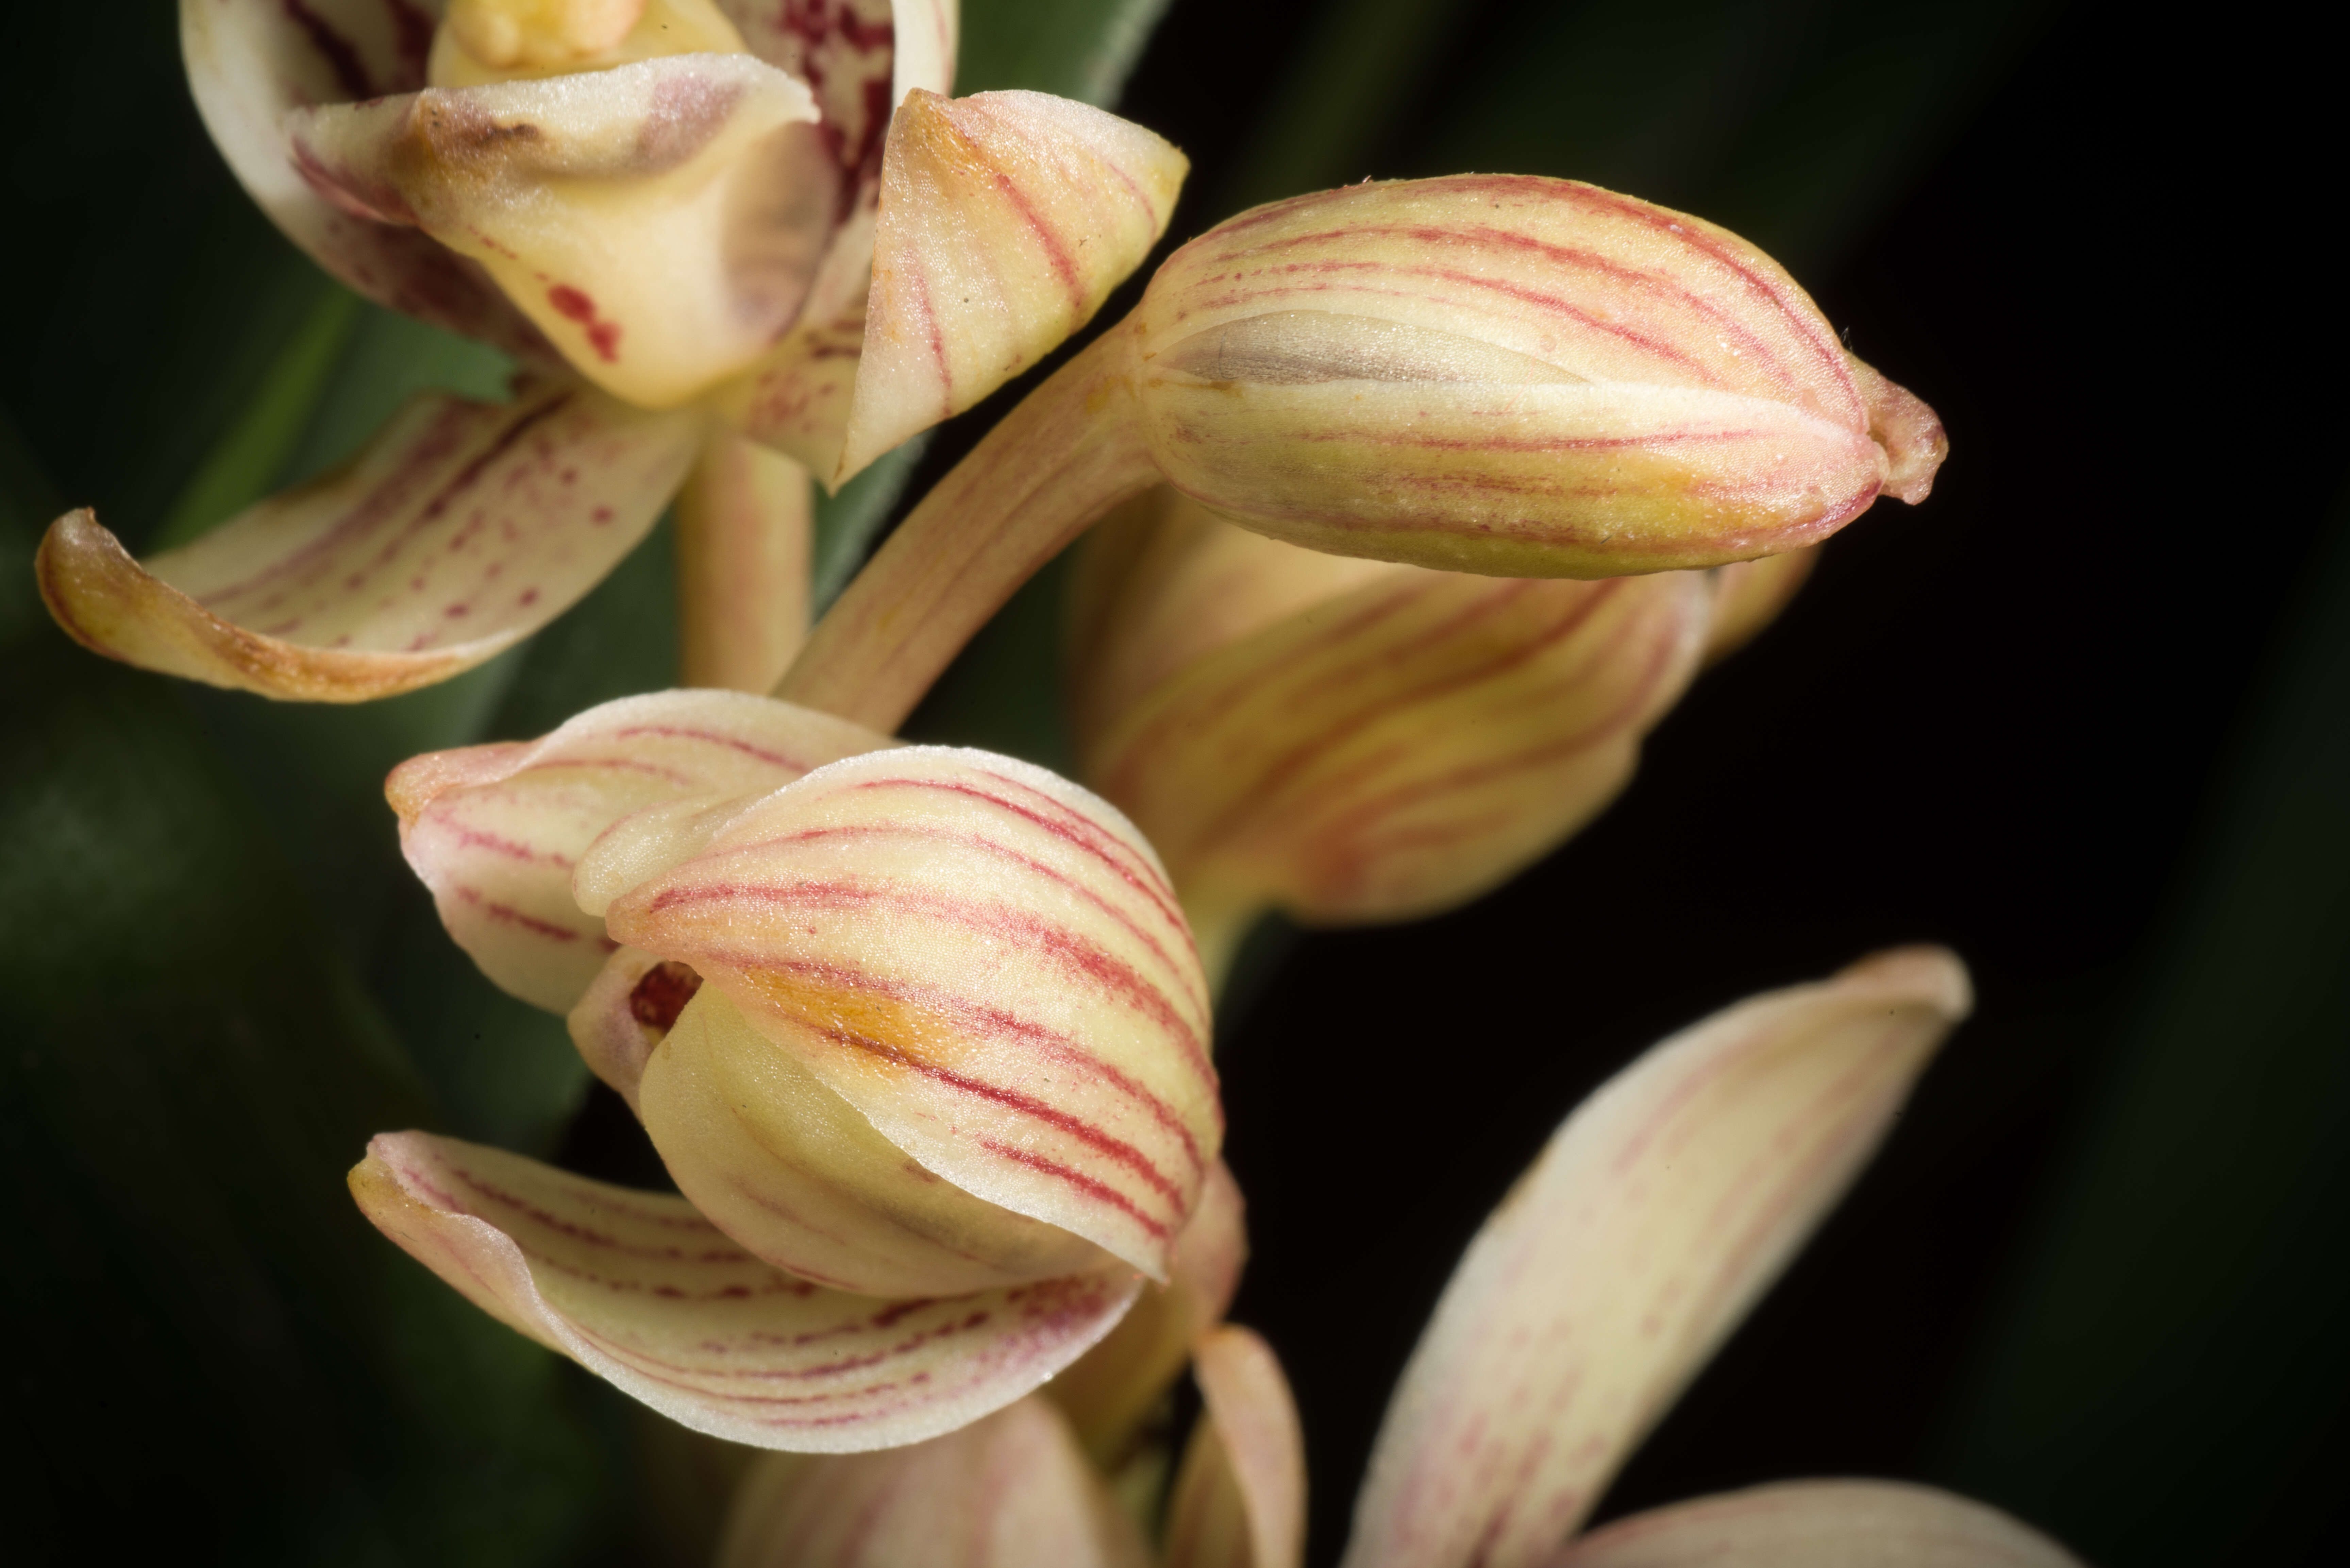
column 719, row 258
column 1658, row 1214
column 1353, row 740
column 1506, row 375
column 919, row 1033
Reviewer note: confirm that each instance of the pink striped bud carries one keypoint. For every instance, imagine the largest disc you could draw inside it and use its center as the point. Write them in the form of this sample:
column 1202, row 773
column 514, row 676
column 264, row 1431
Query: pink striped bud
column 1350, row 740
column 1512, row 375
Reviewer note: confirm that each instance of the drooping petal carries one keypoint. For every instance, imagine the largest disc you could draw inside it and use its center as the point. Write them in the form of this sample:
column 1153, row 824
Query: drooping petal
column 983, row 959
column 250, row 62
column 462, row 528
column 645, row 1293
column 1748, row 595
column 1820, row 1525
column 1240, row 1498
column 795, row 1175
column 1390, row 750
column 496, row 832
column 745, row 528
column 1109, row 1394
column 1658, row 1214
column 661, row 222
column 1006, row 218
column 1010, row 1491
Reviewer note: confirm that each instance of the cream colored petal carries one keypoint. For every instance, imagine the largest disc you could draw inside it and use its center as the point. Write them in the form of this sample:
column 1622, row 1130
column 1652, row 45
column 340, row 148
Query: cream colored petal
column 1748, row 596
column 661, row 222
column 459, row 530
column 1398, row 749
column 859, row 57
column 644, row 1292
column 745, row 531
column 496, row 832
column 250, row 62
column 1820, row 1525
column 1662, row 1209
column 1006, row 218
column 1010, row 1491
column 1110, row 1393
column 796, row 399
column 986, row 962
column 1240, row 1498
column 797, row 1176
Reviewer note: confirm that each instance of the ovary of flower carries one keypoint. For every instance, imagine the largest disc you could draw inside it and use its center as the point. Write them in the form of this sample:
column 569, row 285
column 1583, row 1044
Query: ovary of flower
column 1646, row 1228
column 1503, row 376
column 909, row 1024
column 675, row 234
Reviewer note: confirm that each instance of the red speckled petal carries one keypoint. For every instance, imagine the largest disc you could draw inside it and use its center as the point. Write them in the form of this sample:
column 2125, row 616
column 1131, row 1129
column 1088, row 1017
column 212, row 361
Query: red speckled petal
column 1240, row 1498
column 462, row 528
column 1010, row 1491
column 1659, row 1212
column 661, row 221
column 496, row 832
column 981, row 957
column 252, row 61
column 1820, row 1525
column 1006, row 218
column 645, row 1293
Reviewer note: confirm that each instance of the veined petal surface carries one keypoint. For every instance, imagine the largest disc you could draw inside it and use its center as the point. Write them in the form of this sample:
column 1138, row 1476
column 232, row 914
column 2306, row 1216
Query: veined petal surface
column 983, row 959
column 1006, row 218
column 661, row 222
column 459, row 530
column 1109, row 1394
column 1658, row 1214
column 645, row 1293
column 496, row 832
column 1820, row 1525
column 1240, row 1498
column 1009, row 1491
column 250, row 62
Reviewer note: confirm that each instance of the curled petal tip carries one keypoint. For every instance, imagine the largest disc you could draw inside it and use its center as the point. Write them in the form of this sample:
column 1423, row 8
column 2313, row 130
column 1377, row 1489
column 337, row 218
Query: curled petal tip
column 1909, row 433
column 1932, row 976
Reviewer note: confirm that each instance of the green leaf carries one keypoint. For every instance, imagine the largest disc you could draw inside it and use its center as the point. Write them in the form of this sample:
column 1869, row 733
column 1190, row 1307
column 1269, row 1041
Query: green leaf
column 847, row 524
column 1076, row 48
column 2168, row 1381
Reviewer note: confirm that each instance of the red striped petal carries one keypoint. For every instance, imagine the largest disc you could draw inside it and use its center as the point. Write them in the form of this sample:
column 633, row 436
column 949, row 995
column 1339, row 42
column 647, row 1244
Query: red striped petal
column 1662, row 1209
column 1005, row 220
column 983, row 959
column 460, row 529
column 496, row 832
column 1011, row 1491
column 1813, row 1524
column 250, row 62
column 645, row 1293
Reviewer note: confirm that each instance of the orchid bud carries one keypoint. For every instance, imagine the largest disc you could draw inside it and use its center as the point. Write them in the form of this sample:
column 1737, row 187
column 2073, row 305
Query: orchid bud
column 1354, row 740
column 913, row 1022
column 1512, row 377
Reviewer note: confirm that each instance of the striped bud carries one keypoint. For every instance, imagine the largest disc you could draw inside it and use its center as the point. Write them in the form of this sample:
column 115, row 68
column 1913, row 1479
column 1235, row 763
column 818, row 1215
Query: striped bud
column 1350, row 740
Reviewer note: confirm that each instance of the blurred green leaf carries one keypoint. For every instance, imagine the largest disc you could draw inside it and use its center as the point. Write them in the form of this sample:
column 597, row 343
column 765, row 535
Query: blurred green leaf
column 847, row 524
column 1077, row 48
column 2168, row 1383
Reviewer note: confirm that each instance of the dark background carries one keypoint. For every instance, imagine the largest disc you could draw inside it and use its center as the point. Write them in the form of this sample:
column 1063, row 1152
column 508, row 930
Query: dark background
column 2080, row 716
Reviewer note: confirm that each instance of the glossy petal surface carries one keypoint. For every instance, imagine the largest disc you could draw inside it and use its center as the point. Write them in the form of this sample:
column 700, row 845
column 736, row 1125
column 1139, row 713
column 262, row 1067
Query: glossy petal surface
column 1010, row 1491
column 1240, row 1498
column 1516, row 375
column 1820, row 1525
column 661, row 222
column 496, row 832
column 983, row 959
column 643, row 1292
column 460, row 529
column 250, row 62
column 1006, row 218
column 1658, row 1214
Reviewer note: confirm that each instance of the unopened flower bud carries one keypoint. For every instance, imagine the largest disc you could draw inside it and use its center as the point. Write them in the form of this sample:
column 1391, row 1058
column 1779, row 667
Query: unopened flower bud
column 1512, row 377
column 1354, row 740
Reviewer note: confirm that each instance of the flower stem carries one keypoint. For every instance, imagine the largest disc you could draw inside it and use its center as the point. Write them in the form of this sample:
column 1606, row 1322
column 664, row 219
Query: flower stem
column 745, row 524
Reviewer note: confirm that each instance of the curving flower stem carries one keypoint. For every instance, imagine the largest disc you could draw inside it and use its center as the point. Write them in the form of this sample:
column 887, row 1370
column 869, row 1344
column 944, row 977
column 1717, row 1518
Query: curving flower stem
column 744, row 530
column 1068, row 453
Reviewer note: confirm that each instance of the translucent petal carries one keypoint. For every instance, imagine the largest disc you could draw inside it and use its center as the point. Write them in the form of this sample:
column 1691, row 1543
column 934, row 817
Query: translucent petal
column 1820, row 1525
column 1240, row 1498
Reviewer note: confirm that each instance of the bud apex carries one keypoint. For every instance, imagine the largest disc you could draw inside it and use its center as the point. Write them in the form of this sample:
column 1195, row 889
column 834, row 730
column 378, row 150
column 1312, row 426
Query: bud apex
column 1514, row 375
